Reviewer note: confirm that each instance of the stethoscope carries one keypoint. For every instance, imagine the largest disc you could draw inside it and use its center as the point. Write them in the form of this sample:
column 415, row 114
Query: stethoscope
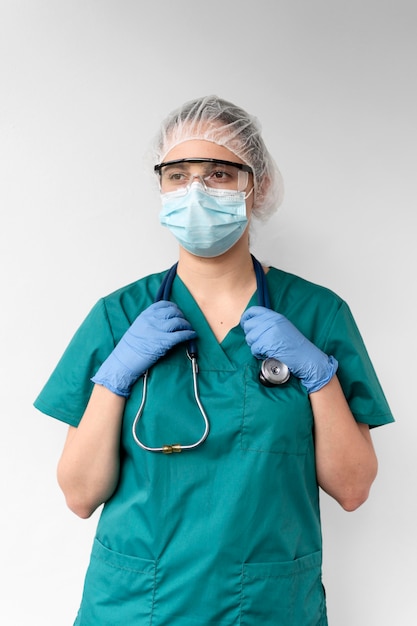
column 273, row 372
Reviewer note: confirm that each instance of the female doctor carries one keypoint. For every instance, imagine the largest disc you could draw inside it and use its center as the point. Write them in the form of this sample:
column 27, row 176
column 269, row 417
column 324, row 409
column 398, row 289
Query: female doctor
column 208, row 469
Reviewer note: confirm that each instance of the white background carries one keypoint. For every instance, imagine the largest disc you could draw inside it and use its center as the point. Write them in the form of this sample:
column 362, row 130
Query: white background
column 84, row 85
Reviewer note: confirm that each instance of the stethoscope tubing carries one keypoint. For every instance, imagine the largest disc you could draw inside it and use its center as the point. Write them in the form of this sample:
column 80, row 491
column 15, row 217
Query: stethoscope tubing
column 164, row 293
column 174, row 447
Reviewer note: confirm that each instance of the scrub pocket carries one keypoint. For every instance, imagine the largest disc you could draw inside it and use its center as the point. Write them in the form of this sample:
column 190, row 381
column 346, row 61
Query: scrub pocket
column 284, row 594
column 278, row 419
column 118, row 591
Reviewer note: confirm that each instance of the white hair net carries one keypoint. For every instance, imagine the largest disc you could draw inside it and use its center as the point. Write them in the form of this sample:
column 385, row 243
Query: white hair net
column 213, row 119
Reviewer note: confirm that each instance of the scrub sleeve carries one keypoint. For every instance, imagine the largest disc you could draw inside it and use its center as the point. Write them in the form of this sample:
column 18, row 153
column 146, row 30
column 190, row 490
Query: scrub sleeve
column 228, row 533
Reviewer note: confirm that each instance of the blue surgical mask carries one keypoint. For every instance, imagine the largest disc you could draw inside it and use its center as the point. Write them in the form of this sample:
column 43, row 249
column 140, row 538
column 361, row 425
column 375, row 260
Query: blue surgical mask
column 205, row 224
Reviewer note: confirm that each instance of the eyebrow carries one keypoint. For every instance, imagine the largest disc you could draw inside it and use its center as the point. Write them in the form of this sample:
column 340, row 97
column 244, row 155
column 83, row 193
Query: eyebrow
column 179, row 166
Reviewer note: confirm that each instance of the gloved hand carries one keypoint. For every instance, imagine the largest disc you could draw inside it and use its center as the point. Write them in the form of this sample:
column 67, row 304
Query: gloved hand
column 155, row 331
column 270, row 334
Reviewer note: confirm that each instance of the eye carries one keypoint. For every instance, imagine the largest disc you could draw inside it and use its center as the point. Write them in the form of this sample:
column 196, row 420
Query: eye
column 174, row 176
column 220, row 176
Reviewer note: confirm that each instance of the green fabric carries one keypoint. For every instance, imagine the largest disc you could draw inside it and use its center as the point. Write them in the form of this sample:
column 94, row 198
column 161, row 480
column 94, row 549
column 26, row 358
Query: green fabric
column 228, row 533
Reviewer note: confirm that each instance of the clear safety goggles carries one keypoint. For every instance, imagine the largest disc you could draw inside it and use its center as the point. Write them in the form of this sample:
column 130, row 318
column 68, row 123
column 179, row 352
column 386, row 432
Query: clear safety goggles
column 214, row 175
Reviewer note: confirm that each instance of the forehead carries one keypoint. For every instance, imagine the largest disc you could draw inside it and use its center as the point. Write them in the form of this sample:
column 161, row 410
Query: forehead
column 200, row 148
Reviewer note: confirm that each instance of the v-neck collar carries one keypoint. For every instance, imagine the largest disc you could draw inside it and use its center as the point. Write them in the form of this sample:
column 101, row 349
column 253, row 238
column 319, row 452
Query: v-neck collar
column 231, row 352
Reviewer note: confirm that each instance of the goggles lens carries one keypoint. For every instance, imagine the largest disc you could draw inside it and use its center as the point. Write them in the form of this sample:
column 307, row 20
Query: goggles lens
column 213, row 174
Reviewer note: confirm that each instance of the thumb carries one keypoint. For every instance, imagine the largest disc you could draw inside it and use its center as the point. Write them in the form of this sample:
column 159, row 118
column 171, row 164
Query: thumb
column 253, row 311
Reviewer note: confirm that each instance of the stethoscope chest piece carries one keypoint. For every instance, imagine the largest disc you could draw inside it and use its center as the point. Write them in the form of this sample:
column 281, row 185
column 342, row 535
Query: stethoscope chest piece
column 273, row 372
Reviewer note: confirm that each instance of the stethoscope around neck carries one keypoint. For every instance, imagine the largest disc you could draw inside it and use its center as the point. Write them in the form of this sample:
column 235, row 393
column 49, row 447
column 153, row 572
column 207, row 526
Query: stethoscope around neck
column 273, row 372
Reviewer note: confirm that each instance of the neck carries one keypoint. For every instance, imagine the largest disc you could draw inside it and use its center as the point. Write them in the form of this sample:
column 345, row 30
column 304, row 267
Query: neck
column 222, row 286
column 228, row 271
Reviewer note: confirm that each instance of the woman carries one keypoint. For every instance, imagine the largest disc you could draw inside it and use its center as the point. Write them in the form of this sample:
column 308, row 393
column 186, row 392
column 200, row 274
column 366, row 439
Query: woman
column 210, row 490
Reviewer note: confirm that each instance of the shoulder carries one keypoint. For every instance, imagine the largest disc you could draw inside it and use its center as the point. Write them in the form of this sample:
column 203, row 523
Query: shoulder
column 312, row 308
column 291, row 289
column 117, row 310
column 134, row 297
column 144, row 287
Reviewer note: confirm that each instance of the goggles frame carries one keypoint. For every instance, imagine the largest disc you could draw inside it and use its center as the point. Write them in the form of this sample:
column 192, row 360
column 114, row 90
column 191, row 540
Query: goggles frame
column 240, row 166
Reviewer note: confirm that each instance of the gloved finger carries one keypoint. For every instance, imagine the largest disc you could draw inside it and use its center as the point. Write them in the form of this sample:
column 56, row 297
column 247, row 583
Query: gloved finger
column 259, row 315
column 173, row 325
column 253, row 312
column 161, row 316
column 182, row 335
column 164, row 309
column 167, row 317
column 258, row 322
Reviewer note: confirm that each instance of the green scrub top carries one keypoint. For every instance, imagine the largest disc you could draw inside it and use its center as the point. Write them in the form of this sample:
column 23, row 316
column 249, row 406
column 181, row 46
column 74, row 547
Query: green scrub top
column 228, row 533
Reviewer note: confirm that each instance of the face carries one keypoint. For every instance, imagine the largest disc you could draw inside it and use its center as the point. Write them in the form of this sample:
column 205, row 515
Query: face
column 199, row 148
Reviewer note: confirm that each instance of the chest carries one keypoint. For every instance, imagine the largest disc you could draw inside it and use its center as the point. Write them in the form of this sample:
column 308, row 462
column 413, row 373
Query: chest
column 224, row 313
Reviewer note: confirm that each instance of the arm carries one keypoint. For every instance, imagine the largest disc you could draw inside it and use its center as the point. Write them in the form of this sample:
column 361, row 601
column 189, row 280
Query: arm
column 88, row 469
column 345, row 458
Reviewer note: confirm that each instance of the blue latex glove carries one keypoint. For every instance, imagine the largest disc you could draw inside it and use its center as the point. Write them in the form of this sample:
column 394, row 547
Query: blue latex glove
column 156, row 330
column 270, row 334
